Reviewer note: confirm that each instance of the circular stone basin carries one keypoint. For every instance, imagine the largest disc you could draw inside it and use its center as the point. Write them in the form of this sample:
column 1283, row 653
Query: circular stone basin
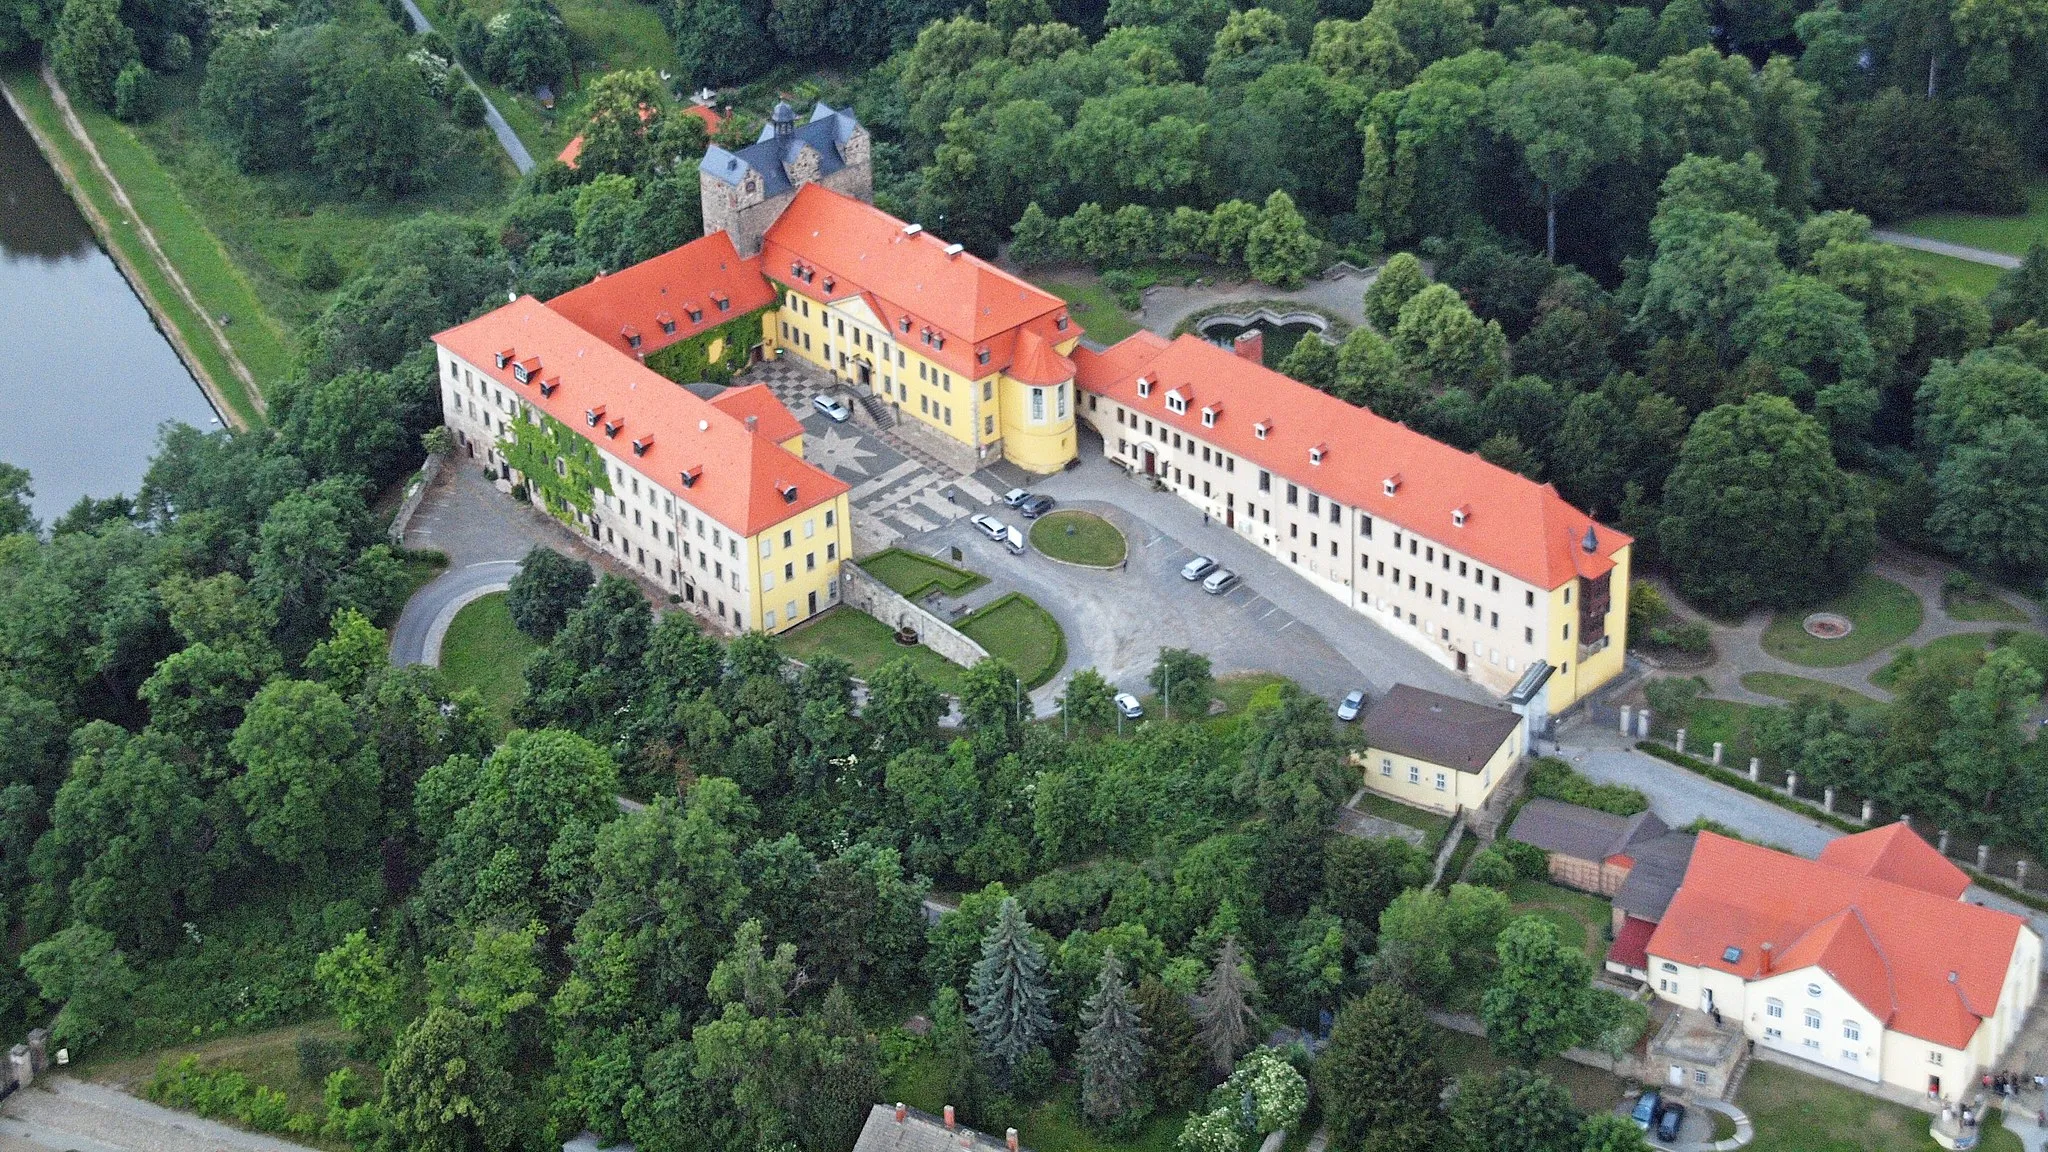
column 1828, row 626
column 906, row 636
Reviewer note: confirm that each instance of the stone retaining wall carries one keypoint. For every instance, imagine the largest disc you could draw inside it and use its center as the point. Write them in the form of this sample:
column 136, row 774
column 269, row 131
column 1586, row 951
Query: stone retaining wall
column 857, row 589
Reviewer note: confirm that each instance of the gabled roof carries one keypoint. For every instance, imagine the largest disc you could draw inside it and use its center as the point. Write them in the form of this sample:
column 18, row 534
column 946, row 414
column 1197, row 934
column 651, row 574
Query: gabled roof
column 915, row 283
column 1630, row 944
column 1654, row 878
column 1439, row 729
column 672, row 286
column 1581, row 832
column 771, row 419
column 826, row 132
column 918, row 1132
column 1894, row 853
column 740, row 477
column 1923, row 964
column 1510, row 523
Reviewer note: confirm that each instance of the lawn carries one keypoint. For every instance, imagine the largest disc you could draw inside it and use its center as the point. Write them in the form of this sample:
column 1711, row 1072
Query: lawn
column 1966, row 276
column 1959, row 646
column 1725, row 721
column 268, row 1058
column 2008, row 234
column 1882, row 611
column 1786, row 687
column 1434, row 826
column 1583, row 919
column 1591, row 1089
column 484, row 651
column 911, row 575
column 1017, row 631
column 1795, row 1112
column 1092, row 305
column 1986, row 607
column 867, row 644
column 201, row 262
column 1240, row 689
column 1079, row 538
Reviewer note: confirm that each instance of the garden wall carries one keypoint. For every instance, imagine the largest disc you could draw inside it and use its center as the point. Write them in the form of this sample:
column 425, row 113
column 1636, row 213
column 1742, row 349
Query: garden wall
column 864, row 592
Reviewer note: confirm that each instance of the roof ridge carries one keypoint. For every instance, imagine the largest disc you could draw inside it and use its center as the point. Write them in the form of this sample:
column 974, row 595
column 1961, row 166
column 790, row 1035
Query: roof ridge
column 1891, row 979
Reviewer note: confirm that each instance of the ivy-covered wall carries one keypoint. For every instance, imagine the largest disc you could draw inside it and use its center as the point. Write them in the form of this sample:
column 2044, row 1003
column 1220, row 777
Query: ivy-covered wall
column 689, row 361
column 534, row 449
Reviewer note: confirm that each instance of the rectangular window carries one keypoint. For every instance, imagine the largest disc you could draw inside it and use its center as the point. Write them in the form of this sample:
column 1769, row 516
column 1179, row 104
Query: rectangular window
column 1442, row 778
column 1315, row 503
column 1038, row 405
column 1774, row 1009
column 1365, row 526
column 828, row 517
column 1528, row 635
column 1852, row 1031
column 785, row 537
column 1386, row 766
column 1812, row 1018
column 1414, row 774
column 1293, row 494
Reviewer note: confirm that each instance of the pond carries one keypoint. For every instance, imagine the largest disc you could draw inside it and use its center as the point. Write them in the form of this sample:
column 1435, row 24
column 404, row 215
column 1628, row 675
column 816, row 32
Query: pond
column 1280, row 338
column 87, row 376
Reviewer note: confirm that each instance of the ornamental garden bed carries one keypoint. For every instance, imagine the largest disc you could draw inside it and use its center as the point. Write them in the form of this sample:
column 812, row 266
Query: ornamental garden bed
column 1082, row 538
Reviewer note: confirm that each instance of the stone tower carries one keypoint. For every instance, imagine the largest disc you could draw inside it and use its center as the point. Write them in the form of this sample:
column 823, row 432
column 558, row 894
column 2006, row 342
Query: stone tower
column 743, row 191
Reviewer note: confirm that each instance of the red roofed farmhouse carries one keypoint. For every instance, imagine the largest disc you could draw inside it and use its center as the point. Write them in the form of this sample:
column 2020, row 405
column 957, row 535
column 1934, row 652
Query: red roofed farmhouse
column 1490, row 572
column 1864, row 960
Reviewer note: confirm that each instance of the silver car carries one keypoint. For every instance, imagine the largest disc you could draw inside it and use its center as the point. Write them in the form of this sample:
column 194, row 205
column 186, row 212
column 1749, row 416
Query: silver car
column 1128, row 707
column 833, row 407
column 1352, row 706
column 1220, row 581
column 989, row 526
column 1197, row 568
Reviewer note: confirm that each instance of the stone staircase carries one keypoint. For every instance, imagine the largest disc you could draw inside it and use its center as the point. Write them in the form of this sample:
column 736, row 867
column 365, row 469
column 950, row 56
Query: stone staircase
column 879, row 414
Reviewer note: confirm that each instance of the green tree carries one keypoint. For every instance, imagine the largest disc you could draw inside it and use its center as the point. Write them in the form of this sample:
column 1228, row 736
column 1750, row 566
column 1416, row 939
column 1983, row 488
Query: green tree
column 1173, row 1052
column 547, row 589
column 903, row 708
column 1380, row 1072
column 1280, row 250
column 1225, row 1013
column 1008, row 992
column 1538, row 1004
column 1033, row 239
column 354, row 652
column 1513, row 1110
column 2022, row 293
column 719, row 40
column 373, row 124
column 16, row 491
column 1399, row 280
column 529, row 46
column 1361, row 877
column 82, row 969
column 90, row 48
column 1183, row 675
column 1113, row 1050
column 362, row 988
column 1569, row 120
column 1610, row 1132
column 1756, row 512
column 309, row 786
column 589, row 677
column 136, row 92
column 1088, row 700
column 1445, row 346
column 447, row 1087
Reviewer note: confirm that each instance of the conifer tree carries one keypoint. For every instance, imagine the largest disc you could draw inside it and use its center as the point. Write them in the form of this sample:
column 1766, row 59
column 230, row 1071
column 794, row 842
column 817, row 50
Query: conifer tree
column 1008, row 992
column 1112, row 1055
column 1223, row 1013
column 1173, row 1053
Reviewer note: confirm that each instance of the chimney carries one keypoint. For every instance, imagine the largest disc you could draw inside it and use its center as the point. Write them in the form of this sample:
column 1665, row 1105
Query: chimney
column 1251, row 344
column 1010, row 1138
column 902, row 1112
column 1764, row 959
column 949, row 1117
column 752, row 422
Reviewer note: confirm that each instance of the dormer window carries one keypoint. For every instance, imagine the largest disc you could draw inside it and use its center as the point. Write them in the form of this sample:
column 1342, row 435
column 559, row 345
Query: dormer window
column 592, row 415
column 1315, row 454
column 723, row 301
column 981, row 356
column 796, row 269
column 788, row 493
column 667, row 322
column 632, row 336
column 830, row 282
column 925, row 334
column 691, row 475
column 938, row 340
column 1144, row 386
column 1458, row 516
column 1262, row 428
column 696, row 314
column 1209, row 415
column 1391, row 484
column 524, row 370
column 1061, row 322
column 641, row 445
column 612, row 426
column 504, row 357
column 548, row 386
column 904, row 324
column 1177, row 401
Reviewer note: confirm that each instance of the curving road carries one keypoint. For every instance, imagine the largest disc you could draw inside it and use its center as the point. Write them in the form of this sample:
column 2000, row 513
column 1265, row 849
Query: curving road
column 507, row 139
column 1944, row 248
column 485, row 535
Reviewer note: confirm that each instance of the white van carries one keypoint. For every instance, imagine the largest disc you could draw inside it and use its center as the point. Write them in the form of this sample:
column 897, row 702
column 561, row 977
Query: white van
column 1014, row 541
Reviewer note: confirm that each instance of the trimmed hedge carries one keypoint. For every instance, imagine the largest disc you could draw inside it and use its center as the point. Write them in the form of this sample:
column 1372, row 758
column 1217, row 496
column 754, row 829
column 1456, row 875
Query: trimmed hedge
column 1553, row 779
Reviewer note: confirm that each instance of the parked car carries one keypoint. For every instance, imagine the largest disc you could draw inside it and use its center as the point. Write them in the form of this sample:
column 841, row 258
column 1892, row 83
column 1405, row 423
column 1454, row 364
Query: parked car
column 1197, row 568
column 1015, row 497
column 1127, row 705
column 990, row 527
column 1648, row 1106
column 1352, row 706
column 1035, row 507
column 1220, row 581
column 1669, row 1122
column 833, row 407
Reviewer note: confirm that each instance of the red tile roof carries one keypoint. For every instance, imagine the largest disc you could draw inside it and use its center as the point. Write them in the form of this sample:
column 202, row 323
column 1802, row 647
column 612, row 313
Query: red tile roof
column 671, row 287
column 741, row 477
column 1629, row 949
column 913, row 282
column 1894, row 853
column 1925, row 965
column 1038, row 362
column 771, row 419
column 1511, row 523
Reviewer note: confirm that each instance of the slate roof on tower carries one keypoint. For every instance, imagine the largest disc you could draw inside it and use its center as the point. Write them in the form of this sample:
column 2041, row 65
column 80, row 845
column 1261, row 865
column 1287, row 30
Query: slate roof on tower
column 1500, row 518
column 918, row 285
column 1924, row 964
column 827, row 130
column 742, row 478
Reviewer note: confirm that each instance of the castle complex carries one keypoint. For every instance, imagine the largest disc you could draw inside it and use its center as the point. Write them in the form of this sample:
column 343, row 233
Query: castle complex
column 594, row 404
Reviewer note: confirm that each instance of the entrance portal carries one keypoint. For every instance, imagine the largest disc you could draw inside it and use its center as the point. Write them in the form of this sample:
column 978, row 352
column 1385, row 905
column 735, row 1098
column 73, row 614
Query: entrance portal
column 1151, row 463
